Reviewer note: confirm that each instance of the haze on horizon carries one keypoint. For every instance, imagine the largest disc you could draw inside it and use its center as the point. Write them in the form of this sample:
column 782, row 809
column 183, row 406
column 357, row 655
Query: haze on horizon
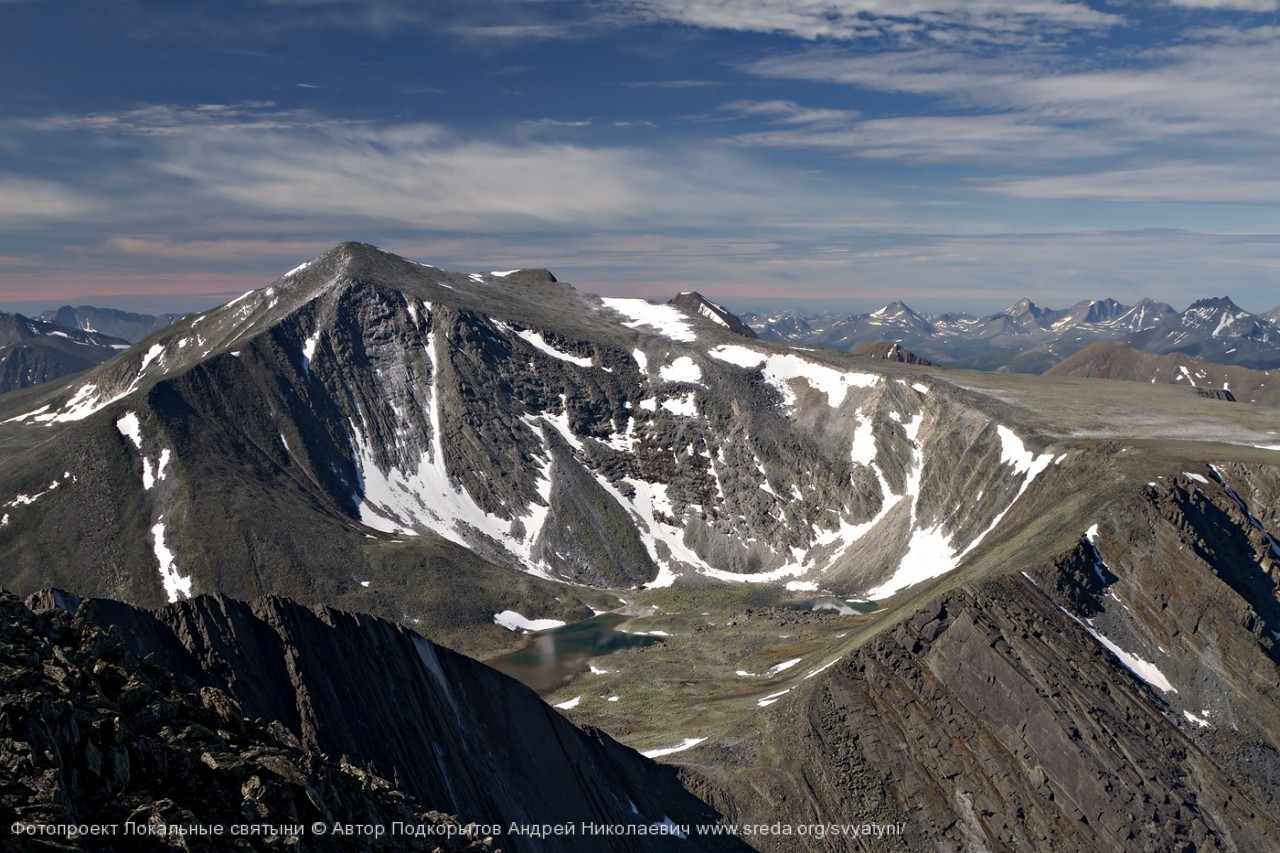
column 954, row 155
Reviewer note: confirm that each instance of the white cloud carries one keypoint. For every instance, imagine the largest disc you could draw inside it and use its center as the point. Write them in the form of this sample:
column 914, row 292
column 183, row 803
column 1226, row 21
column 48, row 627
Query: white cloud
column 789, row 112
column 1170, row 182
column 1213, row 98
column 1238, row 5
column 172, row 120
column 423, row 176
column 31, row 202
column 967, row 138
column 852, row 19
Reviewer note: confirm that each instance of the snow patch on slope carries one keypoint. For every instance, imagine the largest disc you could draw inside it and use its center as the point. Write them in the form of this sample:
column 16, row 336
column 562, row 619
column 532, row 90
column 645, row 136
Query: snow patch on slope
column 176, row 585
column 781, row 369
column 687, row 743
column 427, row 499
column 664, row 319
column 540, row 343
column 131, row 428
column 930, row 553
column 683, row 369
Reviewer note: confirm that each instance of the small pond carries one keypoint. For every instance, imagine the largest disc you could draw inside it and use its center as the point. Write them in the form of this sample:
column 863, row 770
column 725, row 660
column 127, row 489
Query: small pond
column 555, row 657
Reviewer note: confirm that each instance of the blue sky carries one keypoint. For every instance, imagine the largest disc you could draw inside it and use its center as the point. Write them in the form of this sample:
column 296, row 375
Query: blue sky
column 956, row 154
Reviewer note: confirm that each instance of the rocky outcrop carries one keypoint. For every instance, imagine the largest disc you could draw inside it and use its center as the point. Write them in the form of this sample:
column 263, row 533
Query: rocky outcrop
column 695, row 303
column 889, row 351
column 91, row 733
column 988, row 721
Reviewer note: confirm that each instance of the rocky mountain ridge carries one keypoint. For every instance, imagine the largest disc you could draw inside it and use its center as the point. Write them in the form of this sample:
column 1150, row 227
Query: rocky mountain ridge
column 448, row 730
column 94, row 732
column 1120, row 695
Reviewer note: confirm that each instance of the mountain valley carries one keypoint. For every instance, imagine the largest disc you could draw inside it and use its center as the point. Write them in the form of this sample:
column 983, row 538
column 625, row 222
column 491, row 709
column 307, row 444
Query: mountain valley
column 1056, row 617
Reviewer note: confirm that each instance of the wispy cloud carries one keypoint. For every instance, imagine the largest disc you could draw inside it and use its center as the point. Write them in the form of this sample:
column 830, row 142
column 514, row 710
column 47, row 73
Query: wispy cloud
column 1239, row 5
column 857, row 19
column 211, row 250
column 1212, row 99
column 174, row 120
column 980, row 139
column 423, row 176
column 1185, row 181
column 30, row 202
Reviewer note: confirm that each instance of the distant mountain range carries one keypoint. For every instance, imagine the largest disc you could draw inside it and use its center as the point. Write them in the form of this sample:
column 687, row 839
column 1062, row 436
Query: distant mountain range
column 1030, row 339
column 1024, row 338
column 68, row 340
column 110, row 321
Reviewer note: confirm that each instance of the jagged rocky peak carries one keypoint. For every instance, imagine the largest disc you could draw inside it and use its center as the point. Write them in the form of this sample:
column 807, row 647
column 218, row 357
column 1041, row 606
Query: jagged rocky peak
column 608, row 442
column 1023, row 306
column 1092, row 311
column 696, row 303
column 1216, row 303
column 894, row 309
column 1146, row 313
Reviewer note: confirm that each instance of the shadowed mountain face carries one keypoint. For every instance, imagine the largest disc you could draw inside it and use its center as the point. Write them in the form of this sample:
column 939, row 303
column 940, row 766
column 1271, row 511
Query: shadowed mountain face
column 296, row 439
column 94, row 732
column 33, row 352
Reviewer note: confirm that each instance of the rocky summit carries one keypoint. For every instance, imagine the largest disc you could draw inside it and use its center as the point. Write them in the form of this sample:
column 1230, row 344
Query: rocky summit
column 857, row 599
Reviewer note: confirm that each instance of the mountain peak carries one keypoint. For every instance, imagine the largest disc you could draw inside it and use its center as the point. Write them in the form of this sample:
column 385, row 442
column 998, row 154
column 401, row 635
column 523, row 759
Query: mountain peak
column 1216, row 303
column 1021, row 307
column 894, row 309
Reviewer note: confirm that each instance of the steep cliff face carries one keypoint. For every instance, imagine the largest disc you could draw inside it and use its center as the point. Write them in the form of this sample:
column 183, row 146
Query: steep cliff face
column 448, row 731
